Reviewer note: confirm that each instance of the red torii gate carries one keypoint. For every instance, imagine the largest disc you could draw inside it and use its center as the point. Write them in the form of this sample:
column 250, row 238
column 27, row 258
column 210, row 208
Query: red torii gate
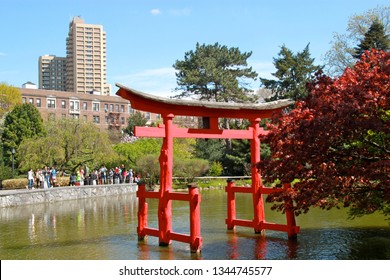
column 212, row 111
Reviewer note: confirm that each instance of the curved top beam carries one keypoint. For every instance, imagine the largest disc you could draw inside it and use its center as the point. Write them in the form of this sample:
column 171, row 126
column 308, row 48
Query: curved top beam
column 179, row 107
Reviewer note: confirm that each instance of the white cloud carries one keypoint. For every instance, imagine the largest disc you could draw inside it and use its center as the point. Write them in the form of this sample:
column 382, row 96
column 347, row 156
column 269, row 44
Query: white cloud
column 155, row 12
column 174, row 12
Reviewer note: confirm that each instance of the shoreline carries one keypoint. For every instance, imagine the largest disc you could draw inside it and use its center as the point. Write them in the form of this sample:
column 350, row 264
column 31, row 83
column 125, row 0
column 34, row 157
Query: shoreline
column 12, row 198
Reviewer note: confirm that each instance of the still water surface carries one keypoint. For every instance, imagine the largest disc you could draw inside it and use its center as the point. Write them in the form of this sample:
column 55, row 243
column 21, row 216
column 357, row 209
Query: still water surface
column 105, row 229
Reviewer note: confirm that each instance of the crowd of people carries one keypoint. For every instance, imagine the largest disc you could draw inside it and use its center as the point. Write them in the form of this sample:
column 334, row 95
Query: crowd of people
column 42, row 178
column 47, row 178
column 103, row 175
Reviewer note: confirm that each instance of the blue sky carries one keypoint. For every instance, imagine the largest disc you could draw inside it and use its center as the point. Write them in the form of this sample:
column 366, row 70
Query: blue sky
column 145, row 38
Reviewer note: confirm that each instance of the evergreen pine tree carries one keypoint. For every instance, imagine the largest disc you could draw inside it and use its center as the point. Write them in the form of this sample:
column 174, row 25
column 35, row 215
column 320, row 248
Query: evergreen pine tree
column 374, row 38
column 215, row 73
column 293, row 72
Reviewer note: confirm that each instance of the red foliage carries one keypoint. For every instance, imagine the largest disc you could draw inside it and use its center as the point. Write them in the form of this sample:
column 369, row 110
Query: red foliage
column 335, row 144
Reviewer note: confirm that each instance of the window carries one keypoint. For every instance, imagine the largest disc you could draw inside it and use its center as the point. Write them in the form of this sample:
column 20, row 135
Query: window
column 24, row 100
column 63, row 104
column 74, row 105
column 85, row 106
column 96, row 107
column 38, row 102
column 111, row 107
column 31, row 101
column 51, row 103
column 77, row 105
column 106, row 107
column 116, row 108
column 96, row 119
column 122, row 108
column 123, row 120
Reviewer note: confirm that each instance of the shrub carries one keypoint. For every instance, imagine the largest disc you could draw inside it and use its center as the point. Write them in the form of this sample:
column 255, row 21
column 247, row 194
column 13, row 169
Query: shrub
column 13, row 184
column 216, row 169
column 190, row 168
column 21, row 183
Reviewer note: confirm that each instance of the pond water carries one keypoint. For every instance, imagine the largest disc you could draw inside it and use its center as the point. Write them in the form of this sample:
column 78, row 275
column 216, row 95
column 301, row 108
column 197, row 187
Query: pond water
column 105, row 229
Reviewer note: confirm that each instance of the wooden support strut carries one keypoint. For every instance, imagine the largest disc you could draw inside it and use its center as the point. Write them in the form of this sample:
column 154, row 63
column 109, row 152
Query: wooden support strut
column 142, row 211
column 231, row 220
column 194, row 198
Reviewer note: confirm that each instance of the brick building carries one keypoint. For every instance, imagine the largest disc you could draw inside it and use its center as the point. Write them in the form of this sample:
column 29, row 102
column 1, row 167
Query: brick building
column 107, row 112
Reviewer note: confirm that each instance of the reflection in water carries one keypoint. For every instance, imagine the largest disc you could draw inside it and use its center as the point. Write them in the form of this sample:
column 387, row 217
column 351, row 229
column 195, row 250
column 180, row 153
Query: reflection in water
column 31, row 228
column 105, row 228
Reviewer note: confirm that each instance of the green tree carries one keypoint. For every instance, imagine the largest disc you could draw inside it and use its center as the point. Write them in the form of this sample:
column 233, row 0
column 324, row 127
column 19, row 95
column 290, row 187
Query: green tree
column 235, row 159
column 9, row 97
column 148, row 166
column 215, row 73
column 341, row 53
column 190, row 168
column 210, row 149
column 143, row 154
column 183, row 148
column 293, row 72
column 67, row 145
column 374, row 38
column 132, row 152
column 23, row 122
column 137, row 119
column 216, row 169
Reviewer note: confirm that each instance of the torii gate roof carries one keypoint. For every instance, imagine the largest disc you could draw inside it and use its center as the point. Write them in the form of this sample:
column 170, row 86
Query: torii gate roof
column 179, row 107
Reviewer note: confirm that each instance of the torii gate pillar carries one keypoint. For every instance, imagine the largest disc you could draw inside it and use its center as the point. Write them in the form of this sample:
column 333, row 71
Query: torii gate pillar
column 166, row 170
column 258, row 206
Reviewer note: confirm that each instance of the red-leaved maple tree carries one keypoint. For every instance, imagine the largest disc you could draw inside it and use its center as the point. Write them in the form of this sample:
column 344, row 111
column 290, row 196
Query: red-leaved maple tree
column 334, row 146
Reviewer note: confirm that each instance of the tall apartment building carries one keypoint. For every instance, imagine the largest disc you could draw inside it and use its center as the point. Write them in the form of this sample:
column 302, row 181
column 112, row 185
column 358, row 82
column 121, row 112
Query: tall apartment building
column 86, row 58
column 52, row 72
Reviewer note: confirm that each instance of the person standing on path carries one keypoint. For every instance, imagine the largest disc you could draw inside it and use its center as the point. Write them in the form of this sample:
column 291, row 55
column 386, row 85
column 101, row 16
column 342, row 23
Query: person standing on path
column 53, row 176
column 47, row 176
column 30, row 177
